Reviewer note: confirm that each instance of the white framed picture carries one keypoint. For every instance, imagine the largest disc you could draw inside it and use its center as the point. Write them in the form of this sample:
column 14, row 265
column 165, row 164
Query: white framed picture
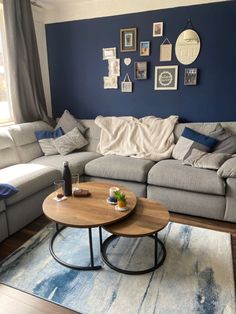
column 166, row 77
column 110, row 82
column 108, row 53
column 144, row 48
column 126, row 87
column 157, row 30
column 113, row 67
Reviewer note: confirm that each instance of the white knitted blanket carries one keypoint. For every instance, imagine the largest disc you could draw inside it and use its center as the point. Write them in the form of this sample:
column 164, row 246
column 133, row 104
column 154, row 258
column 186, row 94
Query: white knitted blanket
column 149, row 137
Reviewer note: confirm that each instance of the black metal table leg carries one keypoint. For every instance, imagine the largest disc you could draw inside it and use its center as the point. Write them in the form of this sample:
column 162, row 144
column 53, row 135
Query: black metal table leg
column 100, row 237
column 158, row 260
column 77, row 267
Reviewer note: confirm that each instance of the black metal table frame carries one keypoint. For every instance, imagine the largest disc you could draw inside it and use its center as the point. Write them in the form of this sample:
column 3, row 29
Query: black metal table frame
column 156, row 264
column 103, row 249
column 77, row 267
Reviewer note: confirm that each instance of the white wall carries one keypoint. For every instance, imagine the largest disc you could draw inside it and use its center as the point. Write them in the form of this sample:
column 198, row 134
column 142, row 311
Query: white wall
column 67, row 10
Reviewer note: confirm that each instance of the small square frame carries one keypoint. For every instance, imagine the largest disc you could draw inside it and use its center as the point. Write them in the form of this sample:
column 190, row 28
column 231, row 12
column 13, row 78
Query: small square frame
column 126, row 87
column 157, row 29
column 128, row 39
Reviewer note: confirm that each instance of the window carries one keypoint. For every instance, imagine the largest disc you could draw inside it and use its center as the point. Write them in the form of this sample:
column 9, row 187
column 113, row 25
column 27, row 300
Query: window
column 5, row 105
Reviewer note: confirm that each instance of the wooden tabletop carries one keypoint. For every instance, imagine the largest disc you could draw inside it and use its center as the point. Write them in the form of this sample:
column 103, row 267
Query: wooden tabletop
column 88, row 212
column 14, row 301
column 147, row 218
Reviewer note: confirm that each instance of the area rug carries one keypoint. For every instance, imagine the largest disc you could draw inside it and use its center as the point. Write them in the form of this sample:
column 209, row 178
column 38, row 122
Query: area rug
column 196, row 277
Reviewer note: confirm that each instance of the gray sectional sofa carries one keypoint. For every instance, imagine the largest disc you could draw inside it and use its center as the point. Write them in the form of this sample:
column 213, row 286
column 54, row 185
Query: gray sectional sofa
column 183, row 189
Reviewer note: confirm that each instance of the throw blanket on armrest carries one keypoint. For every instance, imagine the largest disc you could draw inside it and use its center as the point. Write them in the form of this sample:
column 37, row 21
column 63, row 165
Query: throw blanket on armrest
column 149, row 137
column 7, row 190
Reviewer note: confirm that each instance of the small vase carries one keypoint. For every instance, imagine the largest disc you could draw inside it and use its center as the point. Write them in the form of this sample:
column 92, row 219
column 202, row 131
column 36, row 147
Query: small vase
column 121, row 204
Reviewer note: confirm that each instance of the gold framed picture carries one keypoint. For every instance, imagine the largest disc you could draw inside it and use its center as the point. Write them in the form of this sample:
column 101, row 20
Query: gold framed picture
column 128, row 39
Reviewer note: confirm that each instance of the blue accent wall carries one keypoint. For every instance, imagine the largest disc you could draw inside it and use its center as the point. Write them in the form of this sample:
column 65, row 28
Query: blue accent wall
column 76, row 67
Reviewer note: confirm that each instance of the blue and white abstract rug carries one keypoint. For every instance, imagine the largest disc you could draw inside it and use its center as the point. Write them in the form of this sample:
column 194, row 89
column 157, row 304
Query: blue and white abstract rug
column 196, row 277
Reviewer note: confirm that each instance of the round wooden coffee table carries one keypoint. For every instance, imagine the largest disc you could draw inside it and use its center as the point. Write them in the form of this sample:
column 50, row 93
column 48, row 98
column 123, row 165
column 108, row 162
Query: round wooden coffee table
column 148, row 218
column 85, row 212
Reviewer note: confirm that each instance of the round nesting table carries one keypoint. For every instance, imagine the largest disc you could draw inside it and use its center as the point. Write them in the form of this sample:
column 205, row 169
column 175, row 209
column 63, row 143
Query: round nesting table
column 85, row 212
column 148, row 218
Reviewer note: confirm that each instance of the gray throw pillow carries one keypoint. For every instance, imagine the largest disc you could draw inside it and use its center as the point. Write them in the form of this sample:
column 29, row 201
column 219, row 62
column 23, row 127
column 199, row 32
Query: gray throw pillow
column 70, row 141
column 227, row 140
column 68, row 122
column 201, row 159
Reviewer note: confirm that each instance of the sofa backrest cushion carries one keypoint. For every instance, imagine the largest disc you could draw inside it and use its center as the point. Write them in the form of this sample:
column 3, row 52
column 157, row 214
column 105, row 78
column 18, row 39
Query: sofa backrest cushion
column 92, row 135
column 25, row 140
column 203, row 127
column 8, row 152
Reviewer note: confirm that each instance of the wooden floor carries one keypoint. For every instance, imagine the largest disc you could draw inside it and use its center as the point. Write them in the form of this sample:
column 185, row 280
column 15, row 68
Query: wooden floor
column 13, row 242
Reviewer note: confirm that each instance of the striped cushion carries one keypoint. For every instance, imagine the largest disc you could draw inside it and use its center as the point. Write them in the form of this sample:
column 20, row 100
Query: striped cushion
column 192, row 139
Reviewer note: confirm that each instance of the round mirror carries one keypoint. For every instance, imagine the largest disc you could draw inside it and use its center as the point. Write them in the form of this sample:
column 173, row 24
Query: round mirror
column 187, row 47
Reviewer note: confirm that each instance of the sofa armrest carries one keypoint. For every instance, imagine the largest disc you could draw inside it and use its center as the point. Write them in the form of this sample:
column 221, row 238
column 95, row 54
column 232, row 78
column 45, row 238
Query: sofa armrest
column 228, row 169
column 230, row 210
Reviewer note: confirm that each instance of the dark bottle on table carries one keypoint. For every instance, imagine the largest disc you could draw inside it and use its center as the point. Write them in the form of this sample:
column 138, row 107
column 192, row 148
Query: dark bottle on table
column 66, row 175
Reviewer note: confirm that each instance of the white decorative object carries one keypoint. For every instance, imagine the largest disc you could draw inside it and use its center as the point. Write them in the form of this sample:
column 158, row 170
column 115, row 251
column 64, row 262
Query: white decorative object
column 110, row 82
column 127, row 61
column 166, row 50
column 108, row 53
column 187, row 47
column 113, row 67
column 126, row 85
column 166, row 77
column 121, row 209
column 112, row 191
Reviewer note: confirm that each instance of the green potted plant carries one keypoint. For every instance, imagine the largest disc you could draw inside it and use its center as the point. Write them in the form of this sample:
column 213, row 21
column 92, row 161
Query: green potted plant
column 121, row 199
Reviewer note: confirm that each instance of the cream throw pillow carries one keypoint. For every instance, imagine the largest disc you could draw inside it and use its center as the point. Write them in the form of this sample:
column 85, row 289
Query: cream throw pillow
column 70, row 141
column 201, row 159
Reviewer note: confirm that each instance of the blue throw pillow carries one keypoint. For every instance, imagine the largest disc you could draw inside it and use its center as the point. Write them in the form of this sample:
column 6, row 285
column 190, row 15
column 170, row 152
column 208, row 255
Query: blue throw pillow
column 46, row 140
column 190, row 139
column 6, row 190
column 49, row 134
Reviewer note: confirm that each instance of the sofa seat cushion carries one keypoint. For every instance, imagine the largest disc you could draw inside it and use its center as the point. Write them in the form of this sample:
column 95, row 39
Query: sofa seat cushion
column 120, row 168
column 28, row 179
column 77, row 161
column 173, row 174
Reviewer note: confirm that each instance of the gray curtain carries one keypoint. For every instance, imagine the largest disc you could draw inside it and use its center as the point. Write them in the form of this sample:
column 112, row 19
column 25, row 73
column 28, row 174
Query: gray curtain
column 28, row 99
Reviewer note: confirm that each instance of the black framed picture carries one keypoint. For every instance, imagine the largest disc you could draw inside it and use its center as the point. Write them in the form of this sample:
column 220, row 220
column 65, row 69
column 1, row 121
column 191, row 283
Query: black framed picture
column 190, row 76
column 140, row 70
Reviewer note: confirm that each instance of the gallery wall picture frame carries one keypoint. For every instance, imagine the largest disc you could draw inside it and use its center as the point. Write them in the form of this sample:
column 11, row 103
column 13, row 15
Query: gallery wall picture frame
column 144, row 48
column 190, row 76
column 108, row 53
column 113, row 67
column 128, row 39
column 166, row 50
column 140, row 70
column 126, row 85
column 110, row 82
column 166, row 77
column 157, row 29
